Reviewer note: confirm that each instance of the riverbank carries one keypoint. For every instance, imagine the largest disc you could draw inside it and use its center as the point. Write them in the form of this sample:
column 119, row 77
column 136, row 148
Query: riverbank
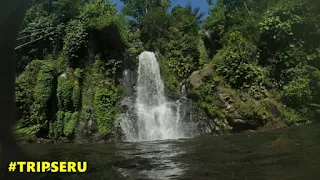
column 113, row 138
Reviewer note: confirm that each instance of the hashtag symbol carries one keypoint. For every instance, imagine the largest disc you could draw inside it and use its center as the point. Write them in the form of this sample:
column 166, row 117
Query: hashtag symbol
column 12, row 166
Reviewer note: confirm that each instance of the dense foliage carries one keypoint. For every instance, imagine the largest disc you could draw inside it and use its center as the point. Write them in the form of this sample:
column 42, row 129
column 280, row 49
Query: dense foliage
column 250, row 63
column 268, row 49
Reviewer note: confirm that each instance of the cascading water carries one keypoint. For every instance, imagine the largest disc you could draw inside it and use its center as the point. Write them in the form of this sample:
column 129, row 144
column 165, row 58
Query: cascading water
column 154, row 117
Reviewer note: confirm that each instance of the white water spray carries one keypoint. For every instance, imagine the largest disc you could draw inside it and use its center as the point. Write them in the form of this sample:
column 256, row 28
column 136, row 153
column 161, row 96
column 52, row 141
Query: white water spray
column 155, row 117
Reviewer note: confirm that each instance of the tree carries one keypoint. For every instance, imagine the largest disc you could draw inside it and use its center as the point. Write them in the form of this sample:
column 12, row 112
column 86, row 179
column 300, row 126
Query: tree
column 154, row 29
column 195, row 12
column 137, row 8
column 183, row 45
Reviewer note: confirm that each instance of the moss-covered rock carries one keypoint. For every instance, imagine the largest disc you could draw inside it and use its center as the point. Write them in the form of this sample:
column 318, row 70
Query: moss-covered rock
column 219, row 108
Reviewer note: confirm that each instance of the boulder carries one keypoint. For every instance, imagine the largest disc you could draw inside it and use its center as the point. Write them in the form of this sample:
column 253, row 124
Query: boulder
column 195, row 78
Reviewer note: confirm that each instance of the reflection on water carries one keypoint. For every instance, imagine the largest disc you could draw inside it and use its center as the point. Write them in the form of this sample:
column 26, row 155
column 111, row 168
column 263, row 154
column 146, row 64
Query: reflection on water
column 284, row 154
column 151, row 160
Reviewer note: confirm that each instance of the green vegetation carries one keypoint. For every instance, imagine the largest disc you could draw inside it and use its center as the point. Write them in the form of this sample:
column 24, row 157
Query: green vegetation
column 263, row 57
column 249, row 64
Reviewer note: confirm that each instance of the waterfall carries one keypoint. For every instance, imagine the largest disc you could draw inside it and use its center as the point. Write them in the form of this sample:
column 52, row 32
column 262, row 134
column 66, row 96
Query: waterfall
column 153, row 116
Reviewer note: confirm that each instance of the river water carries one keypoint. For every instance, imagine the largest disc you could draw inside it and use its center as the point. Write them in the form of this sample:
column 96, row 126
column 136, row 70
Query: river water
column 290, row 153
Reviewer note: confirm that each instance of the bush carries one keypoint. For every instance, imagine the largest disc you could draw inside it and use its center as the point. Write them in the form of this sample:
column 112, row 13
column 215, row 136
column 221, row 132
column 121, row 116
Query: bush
column 70, row 123
column 75, row 42
column 297, row 93
column 43, row 93
column 78, row 73
column 45, row 83
column 76, row 98
column 62, row 63
column 64, row 94
column 25, row 85
column 206, row 97
column 171, row 83
column 105, row 109
column 254, row 112
column 97, row 71
column 58, row 125
column 25, row 133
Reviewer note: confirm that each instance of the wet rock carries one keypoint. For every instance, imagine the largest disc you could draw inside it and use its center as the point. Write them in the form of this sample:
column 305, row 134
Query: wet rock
column 205, row 127
column 174, row 95
column 241, row 127
column 272, row 125
column 182, row 83
column 118, row 133
column 42, row 140
column 103, row 138
column 184, row 91
column 128, row 81
column 126, row 104
column 92, row 126
column 63, row 140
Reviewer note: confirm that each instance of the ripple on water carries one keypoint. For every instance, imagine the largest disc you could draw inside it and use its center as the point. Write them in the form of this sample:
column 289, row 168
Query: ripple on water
column 151, row 160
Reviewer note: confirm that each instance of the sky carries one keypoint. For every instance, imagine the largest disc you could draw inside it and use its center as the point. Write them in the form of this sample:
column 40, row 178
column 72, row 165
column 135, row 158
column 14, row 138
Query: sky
column 202, row 4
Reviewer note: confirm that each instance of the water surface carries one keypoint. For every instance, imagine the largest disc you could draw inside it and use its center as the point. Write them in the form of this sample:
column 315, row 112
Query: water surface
column 291, row 153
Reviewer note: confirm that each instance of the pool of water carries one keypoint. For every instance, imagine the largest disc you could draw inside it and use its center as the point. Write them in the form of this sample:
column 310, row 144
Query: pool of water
column 290, row 153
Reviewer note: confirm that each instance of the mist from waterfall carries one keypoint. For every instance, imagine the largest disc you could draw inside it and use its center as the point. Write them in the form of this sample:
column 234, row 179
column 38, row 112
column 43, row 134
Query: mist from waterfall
column 153, row 117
